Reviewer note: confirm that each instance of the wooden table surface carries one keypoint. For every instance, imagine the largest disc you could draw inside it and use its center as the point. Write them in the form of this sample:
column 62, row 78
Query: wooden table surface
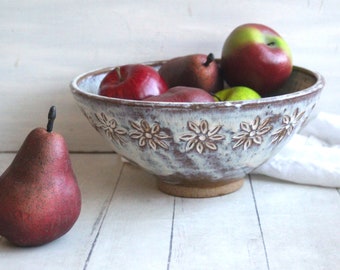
column 126, row 222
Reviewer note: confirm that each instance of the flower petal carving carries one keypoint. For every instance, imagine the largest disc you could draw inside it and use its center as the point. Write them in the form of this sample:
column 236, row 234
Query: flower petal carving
column 150, row 135
column 289, row 122
column 110, row 127
column 251, row 133
column 201, row 137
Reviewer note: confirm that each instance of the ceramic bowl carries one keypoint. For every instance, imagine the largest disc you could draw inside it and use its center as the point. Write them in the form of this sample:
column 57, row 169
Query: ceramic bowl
column 199, row 149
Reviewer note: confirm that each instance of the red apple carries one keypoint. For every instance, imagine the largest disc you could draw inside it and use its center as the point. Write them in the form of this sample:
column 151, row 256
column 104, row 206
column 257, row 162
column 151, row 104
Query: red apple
column 183, row 94
column 256, row 56
column 132, row 82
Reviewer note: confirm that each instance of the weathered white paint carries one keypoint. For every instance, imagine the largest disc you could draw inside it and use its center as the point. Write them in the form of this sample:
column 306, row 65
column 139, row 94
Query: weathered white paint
column 45, row 45
column 126, row 223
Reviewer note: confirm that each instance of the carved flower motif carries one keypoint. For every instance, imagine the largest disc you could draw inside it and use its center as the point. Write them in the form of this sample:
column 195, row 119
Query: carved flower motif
column 110, row 128
column 288, row 125
column 201, row 137
column 149, row 135
column 251, row 133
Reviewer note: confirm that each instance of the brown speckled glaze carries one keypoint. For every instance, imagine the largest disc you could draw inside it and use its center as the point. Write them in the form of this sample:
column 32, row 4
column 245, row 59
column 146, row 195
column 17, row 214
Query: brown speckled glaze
column 199, row 149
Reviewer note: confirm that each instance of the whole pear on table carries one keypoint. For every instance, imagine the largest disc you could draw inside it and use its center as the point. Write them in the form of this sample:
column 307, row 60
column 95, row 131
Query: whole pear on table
column 40, row 199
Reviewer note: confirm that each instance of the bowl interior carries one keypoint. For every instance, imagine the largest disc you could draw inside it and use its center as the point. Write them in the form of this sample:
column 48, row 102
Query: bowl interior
column 300, row 80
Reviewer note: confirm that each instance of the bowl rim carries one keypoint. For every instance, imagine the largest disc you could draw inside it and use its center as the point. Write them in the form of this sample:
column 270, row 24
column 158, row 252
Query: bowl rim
column 76, row 90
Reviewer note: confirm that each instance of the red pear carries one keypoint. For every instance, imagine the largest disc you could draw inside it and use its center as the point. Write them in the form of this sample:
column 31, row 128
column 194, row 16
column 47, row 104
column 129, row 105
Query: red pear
column 40, row 198
column 195, row 70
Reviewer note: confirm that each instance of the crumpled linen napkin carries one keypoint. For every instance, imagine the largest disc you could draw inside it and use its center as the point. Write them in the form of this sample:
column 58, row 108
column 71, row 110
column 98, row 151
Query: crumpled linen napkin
column 311, row 157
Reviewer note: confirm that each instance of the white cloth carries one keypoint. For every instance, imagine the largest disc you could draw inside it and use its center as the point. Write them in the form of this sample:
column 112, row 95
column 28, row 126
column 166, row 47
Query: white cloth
column 311, row 157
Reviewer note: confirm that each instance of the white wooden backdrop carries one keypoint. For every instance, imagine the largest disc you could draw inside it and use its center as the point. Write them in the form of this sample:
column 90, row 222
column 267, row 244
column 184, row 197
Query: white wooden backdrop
column 44, row 44
column 129, row 224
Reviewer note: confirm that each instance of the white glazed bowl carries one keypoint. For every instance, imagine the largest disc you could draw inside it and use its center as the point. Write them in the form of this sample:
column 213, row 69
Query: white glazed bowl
column 199, row 149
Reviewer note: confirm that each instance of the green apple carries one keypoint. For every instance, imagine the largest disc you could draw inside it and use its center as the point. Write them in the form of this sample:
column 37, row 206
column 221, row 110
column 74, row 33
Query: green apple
column 256, row 56
column 236, row 93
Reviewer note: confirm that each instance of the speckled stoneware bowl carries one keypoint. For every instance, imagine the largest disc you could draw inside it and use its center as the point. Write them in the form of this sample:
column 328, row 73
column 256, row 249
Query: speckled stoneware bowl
column 199, row 149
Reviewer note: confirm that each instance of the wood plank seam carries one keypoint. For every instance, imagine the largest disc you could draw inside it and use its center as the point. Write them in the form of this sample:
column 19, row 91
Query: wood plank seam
column 172, row 233
column 102, row 216
column 259, row 221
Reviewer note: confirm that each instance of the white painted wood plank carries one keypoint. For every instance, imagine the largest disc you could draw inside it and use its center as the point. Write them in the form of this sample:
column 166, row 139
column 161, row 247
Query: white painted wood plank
column 137, row 228
column 43, row 46
column 217, row 233
column 97, row 175
column 300, row 224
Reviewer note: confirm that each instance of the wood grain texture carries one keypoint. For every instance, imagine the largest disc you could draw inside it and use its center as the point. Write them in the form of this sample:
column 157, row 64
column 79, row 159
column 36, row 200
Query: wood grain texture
column 44, row 46
column 299, row 224
column 126, row 222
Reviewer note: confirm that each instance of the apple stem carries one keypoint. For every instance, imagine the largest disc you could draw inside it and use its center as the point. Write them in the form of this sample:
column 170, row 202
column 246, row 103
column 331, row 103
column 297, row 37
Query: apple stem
column 119, row 74
column 210, row 58
column 270, row 44
column 52, row 114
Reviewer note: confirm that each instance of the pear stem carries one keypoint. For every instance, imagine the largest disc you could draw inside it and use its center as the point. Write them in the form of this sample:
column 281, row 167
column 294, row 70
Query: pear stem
column 52, row 114
column 210, row 58
column 216, row 97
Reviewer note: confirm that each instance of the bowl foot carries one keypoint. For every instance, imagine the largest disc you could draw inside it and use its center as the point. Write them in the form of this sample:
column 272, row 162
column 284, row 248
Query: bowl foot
column 199, row 190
